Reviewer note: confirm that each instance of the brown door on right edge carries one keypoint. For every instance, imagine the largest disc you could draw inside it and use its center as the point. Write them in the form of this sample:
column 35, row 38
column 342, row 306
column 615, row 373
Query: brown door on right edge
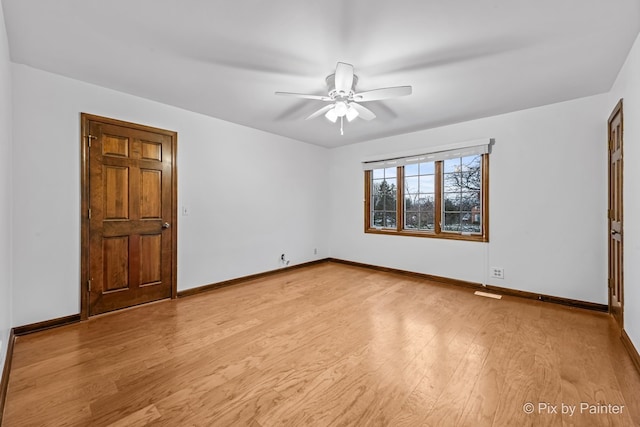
column 616, row 284
column 130, row 201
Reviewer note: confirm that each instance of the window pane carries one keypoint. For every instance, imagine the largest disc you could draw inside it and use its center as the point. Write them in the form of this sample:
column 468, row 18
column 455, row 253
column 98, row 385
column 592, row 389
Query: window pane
column 451, row 222
column 377, row 173
column 452, row 182
column 427, row 220
column 420, row 214
column 427, row 183
column 476, row 217
column 389, row 203
column 384, row 193
column 378, row 219
column 390, row 219
column 427, row 168
column 426, row 202
column 411, row 170
column 452, row 165
column 411, row 185
column 410, row 203
column 377, row 203
column 471, row 174
column 390, row 172
column 470, row 200
column 375, row 188
column 451, row 202
column 411, row 220
column 468, row 223
column 471, row 162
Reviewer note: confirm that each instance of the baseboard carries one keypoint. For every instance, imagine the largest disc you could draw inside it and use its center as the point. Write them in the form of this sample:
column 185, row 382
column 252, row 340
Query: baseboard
column 46, row 324
column 4, row 384
column 631, row 349
column 430, row 277
column 550, row 298
column 239, row 280
column 478, row 286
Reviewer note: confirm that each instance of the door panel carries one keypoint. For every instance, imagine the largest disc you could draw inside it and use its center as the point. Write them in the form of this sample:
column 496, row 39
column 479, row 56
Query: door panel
column 116, row 193
column 616, row 276
column 151, row 194
column 115, row 255
column 150, row 259
column 130, row 197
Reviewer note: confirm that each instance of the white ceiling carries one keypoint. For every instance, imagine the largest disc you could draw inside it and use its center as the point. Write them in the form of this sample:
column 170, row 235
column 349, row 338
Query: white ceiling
column 465, row 59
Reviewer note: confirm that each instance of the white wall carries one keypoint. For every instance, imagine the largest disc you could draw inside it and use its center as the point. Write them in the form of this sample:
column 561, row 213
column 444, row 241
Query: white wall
column 266, row 197
column 548, row 203
column 5, row 190
column 627, row 86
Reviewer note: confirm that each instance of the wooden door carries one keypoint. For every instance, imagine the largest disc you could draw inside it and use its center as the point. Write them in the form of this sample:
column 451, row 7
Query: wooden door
column 616, row 270
column 130, row 213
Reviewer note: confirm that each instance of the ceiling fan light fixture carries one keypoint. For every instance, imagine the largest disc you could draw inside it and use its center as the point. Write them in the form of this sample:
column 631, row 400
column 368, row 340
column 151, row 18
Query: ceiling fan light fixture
column 352, row 113
column 341, row 108
column 331, row 115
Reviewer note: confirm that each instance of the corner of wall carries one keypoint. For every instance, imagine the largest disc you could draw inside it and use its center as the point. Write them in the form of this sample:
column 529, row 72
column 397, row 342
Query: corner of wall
column 6, row 106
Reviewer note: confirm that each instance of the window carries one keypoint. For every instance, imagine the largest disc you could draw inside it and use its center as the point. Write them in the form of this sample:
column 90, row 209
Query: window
column 442, row 195
column 385, row 192
column 462, row 202
column 419, row 196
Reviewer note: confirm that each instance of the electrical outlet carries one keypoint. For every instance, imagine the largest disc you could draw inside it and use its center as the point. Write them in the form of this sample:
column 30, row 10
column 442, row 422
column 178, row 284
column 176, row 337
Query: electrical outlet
column 497, row 272
column 315, row 251
column 284, row 261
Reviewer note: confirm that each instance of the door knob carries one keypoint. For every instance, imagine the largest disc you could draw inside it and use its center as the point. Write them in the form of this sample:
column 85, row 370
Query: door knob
column 166, row 225
column 614, row 232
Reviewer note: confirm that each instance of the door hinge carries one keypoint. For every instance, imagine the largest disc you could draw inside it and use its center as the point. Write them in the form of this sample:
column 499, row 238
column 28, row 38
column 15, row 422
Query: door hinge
column 89, row 285
column 89, row 214
column 610, row 282
column 610, row 213
column 89, row 138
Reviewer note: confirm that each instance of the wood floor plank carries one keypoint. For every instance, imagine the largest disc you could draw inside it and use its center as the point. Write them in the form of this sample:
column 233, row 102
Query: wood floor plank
column 330, row 344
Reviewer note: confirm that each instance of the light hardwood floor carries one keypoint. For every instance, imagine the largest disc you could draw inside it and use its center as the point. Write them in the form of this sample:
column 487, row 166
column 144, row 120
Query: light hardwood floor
column 326, row 345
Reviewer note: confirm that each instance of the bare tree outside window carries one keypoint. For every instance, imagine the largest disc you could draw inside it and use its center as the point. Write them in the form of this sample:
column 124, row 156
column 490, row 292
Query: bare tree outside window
column 462, row 206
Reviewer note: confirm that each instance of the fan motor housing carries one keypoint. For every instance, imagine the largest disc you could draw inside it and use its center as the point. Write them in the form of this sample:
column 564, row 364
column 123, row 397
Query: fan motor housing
column 331, row 85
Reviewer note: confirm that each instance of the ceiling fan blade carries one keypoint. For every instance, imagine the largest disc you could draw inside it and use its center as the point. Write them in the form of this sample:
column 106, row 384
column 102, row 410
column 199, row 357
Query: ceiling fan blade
column 344, row 77
column 320, row 111
column 383, row 93
column 363, row 112
column 302, row 95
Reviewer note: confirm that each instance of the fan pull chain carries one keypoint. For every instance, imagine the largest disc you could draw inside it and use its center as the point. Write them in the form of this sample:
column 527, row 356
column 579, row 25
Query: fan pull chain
column 341, row 125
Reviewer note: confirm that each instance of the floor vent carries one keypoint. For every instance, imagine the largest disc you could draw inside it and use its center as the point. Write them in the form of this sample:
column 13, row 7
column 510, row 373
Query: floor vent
column 488, row 295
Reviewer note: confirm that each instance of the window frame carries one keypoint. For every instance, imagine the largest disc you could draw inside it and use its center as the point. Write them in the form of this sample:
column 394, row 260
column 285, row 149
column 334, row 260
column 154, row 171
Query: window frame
column 437, row 233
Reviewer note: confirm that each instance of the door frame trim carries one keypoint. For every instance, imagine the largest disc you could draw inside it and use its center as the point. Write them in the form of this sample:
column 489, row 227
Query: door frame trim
column 85, row 118
column 618, row 109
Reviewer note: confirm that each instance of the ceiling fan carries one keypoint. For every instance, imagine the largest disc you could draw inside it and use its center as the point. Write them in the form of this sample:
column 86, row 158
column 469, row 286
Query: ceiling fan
column 345, row 100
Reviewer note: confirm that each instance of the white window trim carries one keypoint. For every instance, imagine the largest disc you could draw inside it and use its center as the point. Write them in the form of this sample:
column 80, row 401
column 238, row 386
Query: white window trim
column 443, row 152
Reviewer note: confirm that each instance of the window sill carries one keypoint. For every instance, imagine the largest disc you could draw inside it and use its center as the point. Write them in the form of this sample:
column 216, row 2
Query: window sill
column 430, row 234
